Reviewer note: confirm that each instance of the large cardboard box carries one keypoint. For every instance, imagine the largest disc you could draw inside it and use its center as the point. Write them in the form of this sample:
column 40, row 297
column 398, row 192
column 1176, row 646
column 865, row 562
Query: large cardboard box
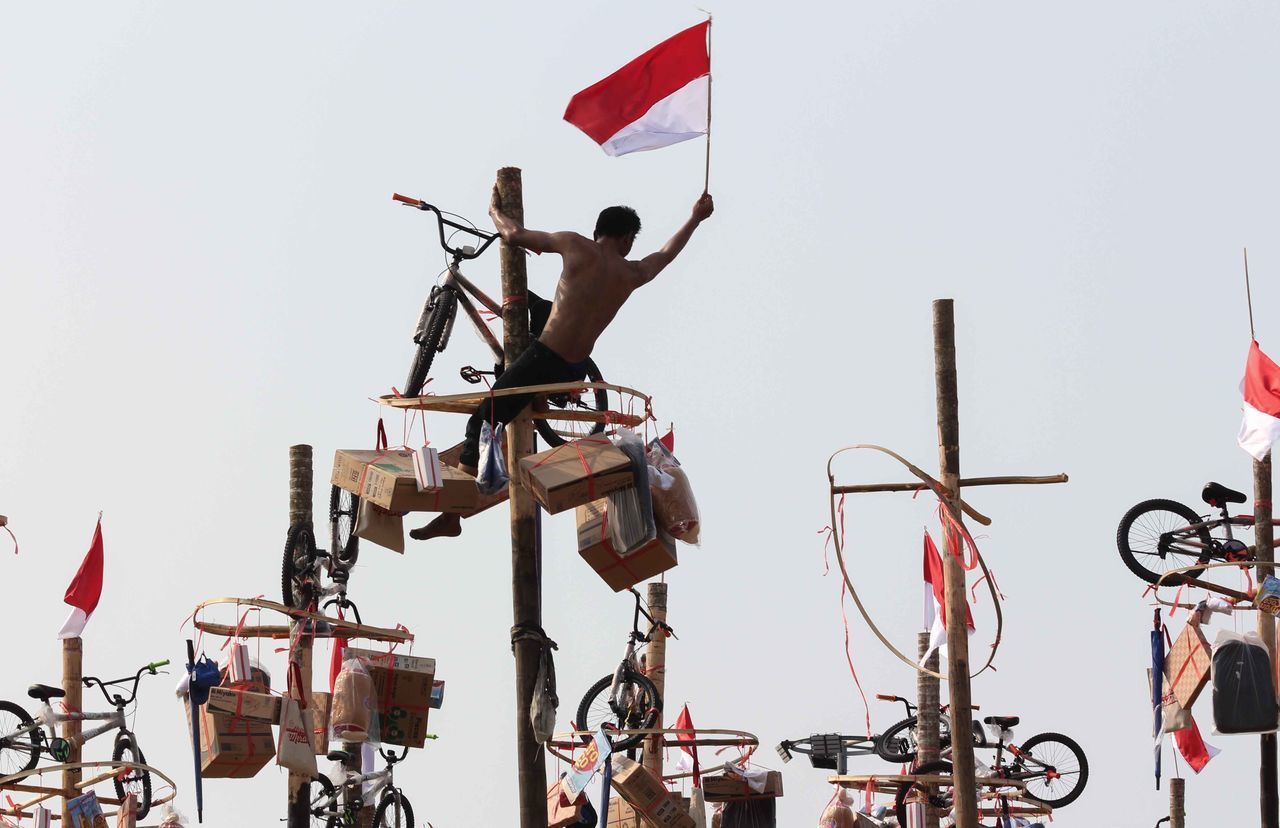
column 645, row 792
column 731, row 787
column 386, row 479
column 231, row 747
column 402, row 690
column 244, row 704
column 575, row 473
column 596, row 546
column 1188, row 664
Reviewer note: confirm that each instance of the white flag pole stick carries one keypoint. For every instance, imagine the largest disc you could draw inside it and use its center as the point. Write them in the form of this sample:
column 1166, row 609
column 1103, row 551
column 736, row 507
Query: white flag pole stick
column 1248, row 291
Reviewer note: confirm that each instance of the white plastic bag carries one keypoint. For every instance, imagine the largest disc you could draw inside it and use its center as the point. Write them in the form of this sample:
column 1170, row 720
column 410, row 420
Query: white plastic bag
column 491, row 477
column 351, row 717
column 293, row 745
column 674, row 507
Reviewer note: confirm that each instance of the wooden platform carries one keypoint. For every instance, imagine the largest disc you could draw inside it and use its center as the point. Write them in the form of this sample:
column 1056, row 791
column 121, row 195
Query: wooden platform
column 466, row 403
column 16, row 783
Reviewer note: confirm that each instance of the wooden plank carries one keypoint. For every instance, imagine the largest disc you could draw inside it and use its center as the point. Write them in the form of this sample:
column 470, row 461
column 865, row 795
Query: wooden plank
column 1006, row 480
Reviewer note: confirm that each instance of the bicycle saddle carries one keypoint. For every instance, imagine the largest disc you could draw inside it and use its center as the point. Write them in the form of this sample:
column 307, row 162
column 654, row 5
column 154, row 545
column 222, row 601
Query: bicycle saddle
column 340, row 756
column 1005, row 722
column 44, row 692
column 1218, row 495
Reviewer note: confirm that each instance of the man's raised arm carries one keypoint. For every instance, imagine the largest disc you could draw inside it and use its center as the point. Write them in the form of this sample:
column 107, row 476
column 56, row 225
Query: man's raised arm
column 515, row 233
column 652, row 265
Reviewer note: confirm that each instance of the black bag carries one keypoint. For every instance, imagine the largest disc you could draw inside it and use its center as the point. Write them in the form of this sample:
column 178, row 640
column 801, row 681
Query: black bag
column 1244, row 696
column 750, row 813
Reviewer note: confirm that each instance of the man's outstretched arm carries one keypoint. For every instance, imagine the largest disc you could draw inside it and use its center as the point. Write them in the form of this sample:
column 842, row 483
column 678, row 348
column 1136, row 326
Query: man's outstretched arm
column 652, row 265
column 515, row 233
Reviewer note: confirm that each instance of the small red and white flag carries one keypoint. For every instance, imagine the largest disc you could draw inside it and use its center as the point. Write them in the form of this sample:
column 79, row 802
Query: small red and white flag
column 1193, row 747
column 85, row 588
column 660, row 98
column 1261, row 387
column 935, row 600
column 685, row 722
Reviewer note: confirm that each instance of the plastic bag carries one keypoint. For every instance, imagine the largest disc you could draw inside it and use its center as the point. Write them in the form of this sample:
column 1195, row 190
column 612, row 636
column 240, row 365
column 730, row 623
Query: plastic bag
column 170, row 817
column 492, row 476
column 352, row 713
column 1244, row 696
column 293, row 746
column 674, row 507
column 630, row 510
column 1174, row 717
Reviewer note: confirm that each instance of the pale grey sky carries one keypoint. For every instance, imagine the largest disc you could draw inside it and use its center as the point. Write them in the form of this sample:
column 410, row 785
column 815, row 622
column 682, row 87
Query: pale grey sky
column 202, row 265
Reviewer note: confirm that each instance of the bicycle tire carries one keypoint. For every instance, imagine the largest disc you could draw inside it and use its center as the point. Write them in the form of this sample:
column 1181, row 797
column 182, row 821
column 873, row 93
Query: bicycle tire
column 136, row 781
column 31, row 753
column 942, row 801
column 446, row 305
column 557, row 433
column 343, row 508
column 380, row 815
column 297, row 578
column 892, row 747
column 329, row 814
column 642, row 717
column 1152, row 528
column 1069, row 748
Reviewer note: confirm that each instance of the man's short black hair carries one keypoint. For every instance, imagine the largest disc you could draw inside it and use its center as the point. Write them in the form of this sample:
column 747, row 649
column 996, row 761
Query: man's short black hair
column 617, row 223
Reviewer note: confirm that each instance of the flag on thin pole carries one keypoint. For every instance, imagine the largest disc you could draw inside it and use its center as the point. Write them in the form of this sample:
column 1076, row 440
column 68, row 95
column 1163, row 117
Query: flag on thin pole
column 661, row 98
column 935, row 600
column 85, row 588
column 1193, row 747
column 1261, row 389
column 685, row 722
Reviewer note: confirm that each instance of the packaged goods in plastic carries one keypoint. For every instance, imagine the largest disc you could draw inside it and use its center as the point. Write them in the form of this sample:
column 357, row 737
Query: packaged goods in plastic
column 401, row 694
column 1244, row 695
column 352, row 712
column 492, row 476
column 750, row 813
column 674, row 507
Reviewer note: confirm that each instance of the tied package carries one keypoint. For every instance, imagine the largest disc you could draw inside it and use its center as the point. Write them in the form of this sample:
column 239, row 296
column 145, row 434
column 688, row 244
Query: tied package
column 387, row 479
column 1187, row 664
column 575, row 473
column 1244, row 696
column 674, row 509
column 427, row 470
column 645, row 792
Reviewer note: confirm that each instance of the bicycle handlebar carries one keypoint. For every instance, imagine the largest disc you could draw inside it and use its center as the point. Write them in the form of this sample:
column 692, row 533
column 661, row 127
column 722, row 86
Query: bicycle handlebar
column 136, row 678
column 442, row 222
column 886, row 697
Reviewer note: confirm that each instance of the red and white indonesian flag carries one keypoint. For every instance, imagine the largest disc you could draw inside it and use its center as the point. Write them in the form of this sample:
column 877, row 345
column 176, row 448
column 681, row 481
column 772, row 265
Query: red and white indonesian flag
column 658, row 99
column 85, row 588
column 935, row 601
column 1261, row 387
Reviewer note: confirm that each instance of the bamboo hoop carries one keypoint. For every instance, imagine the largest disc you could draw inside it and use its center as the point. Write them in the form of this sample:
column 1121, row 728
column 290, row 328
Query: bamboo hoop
column 466, row 403
column 703, row 737
column 18, row 810
column 1227, row 592
column 337, row 628
column 941, row 493
column 889, row 782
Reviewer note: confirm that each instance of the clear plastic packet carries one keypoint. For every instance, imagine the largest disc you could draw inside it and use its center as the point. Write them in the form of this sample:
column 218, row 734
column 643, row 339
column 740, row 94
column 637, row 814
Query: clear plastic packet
column 630, row 510
column 492, row 476
column 1244, row 696
column 351, row 717
column 674, row 507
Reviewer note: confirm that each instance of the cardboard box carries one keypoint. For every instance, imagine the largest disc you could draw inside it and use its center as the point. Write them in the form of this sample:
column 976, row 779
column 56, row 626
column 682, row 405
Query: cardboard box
column 560, row 814
column 232, row 747
column 1187, row 665
column 321, row 705
column 730, row 788
column 575, row 473
column 386, row 479
column 622, row 815
column 645, row 792
column 620, row 571
column 402, row 690
column 244, row 704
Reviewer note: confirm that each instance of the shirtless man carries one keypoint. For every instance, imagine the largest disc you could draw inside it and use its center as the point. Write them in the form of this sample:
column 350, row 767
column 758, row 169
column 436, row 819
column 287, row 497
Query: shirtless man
column 596, row 281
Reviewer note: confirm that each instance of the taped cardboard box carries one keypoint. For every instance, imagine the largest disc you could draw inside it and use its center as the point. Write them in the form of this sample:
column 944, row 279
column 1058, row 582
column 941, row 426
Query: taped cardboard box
column 622, row 815
column 597, row 547
column 730, row 787
column 575, row 473
column 645, row 792
column 230, row 747
column 1187, row 665
column 244, row 704
column 402, row 692
column 389, row 481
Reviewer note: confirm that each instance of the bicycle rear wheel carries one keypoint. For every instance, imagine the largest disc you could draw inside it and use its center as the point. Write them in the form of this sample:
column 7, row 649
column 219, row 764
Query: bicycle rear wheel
column 639, row 707
column 343, row 506
column 298, row 571
column 394, row 811
column 559, row 430
column 898, row 743
column 1068, row 771
column 17, row 753
column 913, row 793
column 444, row 306
column 136, row 781
column 1150, row 548
column 325, row 812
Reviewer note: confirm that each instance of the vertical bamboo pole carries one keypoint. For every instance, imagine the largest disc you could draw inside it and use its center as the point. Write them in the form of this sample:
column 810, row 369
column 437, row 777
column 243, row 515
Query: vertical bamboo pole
column 1177, row 807
column 72, row 672
column 927, row 715
column 526, row 574
column 944, row 366
column 656, row 661
column 1263, row 537
column 300, row 495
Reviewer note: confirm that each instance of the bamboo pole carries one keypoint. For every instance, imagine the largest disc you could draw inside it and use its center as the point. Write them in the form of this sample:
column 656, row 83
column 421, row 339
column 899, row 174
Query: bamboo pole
column 656, row 662
column 1268, row 800
column 944, row 356
column 300, row 495
column 72, row 673
column 1177, row 802
column 927, row 715
column 1005, row 480
column 526, row 575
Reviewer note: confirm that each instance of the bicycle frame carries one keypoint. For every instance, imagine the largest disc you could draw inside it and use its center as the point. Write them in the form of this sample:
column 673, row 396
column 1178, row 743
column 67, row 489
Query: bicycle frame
column 48, row 719
column 629, row 660
column 465, row 289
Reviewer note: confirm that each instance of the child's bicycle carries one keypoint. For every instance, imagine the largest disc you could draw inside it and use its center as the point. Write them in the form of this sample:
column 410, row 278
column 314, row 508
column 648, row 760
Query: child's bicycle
column 1158, row 535
column 393, row 811
column 23, row 739
column 441, row 310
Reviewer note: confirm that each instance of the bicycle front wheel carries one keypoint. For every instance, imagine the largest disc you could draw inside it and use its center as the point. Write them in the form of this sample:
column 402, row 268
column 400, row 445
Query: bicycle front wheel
column 639, row 707
column 445, row 306
column 558, row 430
column 343, row 506
column 298, row 571
column 136, row 781
column 1061, row 767
column 1156, row 536
column 911, row 794
column 394, row 811
column 17, row 753
column 325, row 812
column 898, row 743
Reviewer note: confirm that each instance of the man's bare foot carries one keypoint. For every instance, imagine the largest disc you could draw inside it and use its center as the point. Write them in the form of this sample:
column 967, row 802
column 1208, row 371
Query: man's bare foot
column 447, row 525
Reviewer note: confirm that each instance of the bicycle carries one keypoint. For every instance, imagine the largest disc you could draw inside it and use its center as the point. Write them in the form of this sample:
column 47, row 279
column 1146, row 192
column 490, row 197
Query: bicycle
column 898, row 744
column 627, row 699
column 1158, row 535
column 304, row 564
column 1052, row 767
column 830, row 751
column 440, row 311
column 22, row 743
column 393, row 811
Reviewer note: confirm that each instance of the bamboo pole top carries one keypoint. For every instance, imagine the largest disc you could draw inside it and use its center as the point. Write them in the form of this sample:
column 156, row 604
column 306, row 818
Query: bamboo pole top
column 325, row 627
